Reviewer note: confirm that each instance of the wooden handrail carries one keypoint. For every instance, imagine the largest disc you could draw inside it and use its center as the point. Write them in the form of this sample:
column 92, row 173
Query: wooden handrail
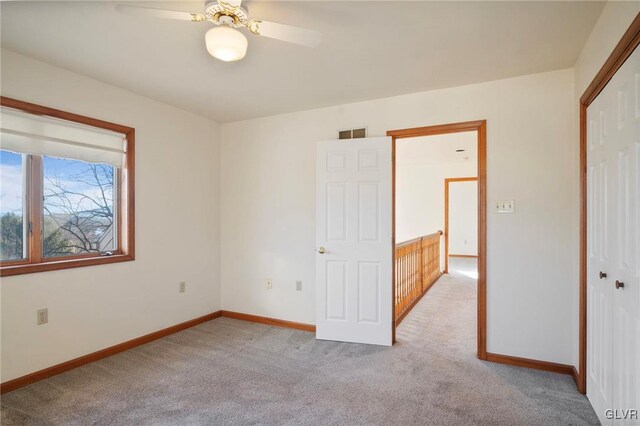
column 417, row 269
column 420, row 238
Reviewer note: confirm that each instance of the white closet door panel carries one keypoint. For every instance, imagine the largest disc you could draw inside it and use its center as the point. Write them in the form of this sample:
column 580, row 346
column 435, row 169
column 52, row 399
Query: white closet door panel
column 625, row 151
column 599, row 290
column 613, row 244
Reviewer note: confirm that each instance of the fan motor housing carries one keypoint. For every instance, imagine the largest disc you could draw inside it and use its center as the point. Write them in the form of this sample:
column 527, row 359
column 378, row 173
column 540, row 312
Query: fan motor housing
column 234, row 16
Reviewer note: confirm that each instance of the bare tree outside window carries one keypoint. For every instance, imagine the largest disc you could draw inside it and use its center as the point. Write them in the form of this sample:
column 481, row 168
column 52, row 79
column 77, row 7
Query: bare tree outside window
column 78, row 207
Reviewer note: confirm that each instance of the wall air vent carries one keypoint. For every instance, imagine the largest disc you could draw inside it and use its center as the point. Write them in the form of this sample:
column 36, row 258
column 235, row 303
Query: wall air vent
column 353, row 133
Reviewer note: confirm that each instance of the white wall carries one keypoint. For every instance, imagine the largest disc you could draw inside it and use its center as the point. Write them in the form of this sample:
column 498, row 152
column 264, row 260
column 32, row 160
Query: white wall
column 420, row 196
column 463, row 218
column 177, row 230
column 268, row 204
column 607, row 32
column 615, row 19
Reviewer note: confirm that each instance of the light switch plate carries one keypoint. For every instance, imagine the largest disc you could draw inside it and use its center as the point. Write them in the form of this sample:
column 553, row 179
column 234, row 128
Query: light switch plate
column 505, row 206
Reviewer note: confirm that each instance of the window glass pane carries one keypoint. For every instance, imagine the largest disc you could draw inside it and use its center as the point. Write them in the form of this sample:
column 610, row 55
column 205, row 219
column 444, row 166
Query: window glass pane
column 12, row 201
column 79, row 207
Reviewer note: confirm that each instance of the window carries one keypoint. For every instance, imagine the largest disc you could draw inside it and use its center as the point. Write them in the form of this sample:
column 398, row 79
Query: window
column 66, row 190
column 12, row 207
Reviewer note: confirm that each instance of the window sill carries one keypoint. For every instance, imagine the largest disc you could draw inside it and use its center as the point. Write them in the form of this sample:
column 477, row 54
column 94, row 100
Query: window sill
column 30, row 268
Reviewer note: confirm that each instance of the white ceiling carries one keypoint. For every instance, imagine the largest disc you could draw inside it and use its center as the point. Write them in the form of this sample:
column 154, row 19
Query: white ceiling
column 369, row 50
column 437, row 149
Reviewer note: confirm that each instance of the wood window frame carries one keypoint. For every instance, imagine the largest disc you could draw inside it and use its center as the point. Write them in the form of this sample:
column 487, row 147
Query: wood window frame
column 480, row 127
column 125, row 200
column 625, row 47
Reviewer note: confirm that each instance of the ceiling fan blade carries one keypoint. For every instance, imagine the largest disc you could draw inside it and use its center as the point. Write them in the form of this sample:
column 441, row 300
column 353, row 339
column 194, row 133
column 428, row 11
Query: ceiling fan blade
column 288, row 33
column 160, row 13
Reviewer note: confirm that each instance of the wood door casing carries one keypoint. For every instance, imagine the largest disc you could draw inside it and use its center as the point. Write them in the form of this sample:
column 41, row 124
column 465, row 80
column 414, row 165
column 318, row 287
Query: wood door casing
column 480, row 126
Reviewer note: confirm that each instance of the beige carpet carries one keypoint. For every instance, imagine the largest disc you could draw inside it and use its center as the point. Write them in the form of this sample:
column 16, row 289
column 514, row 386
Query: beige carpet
column 232, row 372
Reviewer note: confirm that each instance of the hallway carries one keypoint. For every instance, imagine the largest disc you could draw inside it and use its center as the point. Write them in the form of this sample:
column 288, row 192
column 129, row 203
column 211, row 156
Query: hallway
column 453, row 300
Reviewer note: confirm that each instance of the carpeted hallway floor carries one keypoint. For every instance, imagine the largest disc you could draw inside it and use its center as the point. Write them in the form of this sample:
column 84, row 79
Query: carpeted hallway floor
column 232, row 372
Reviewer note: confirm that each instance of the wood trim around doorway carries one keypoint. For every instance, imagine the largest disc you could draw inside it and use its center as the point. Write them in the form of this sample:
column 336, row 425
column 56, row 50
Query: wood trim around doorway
column 479, row 126
column 625, row 47
column 447, row 181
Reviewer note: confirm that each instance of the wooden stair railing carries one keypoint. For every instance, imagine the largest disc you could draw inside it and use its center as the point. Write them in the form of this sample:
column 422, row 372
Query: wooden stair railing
column 417, row 269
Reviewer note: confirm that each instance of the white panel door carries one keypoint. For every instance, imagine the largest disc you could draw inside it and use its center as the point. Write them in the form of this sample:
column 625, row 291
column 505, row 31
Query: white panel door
column 613, row 158
column 353, row 241
column 599, row 289
column 623, row 101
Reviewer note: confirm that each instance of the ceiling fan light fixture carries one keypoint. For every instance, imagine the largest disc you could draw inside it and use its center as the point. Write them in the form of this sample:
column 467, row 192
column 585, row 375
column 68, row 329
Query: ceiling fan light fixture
column 226, row 43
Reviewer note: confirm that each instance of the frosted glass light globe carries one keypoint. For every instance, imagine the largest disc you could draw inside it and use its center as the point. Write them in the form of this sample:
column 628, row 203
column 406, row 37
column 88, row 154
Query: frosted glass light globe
column 226, row 43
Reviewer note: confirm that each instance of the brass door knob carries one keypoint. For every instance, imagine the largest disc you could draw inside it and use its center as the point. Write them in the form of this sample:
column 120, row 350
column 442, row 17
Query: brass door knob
column 603, row 275
column 322, row 250
column 619, row 285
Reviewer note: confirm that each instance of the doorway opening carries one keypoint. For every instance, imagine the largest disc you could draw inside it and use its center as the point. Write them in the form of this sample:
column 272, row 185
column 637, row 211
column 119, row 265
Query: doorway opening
column 434, row 170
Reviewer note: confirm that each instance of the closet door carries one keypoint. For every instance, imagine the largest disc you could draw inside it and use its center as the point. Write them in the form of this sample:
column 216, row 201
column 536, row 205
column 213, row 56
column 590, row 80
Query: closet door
column 624, row 136
column 613, row 240
column 599, row 244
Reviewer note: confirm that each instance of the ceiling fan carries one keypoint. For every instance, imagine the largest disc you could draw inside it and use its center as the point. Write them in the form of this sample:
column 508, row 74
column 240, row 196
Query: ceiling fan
column 224, row 41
